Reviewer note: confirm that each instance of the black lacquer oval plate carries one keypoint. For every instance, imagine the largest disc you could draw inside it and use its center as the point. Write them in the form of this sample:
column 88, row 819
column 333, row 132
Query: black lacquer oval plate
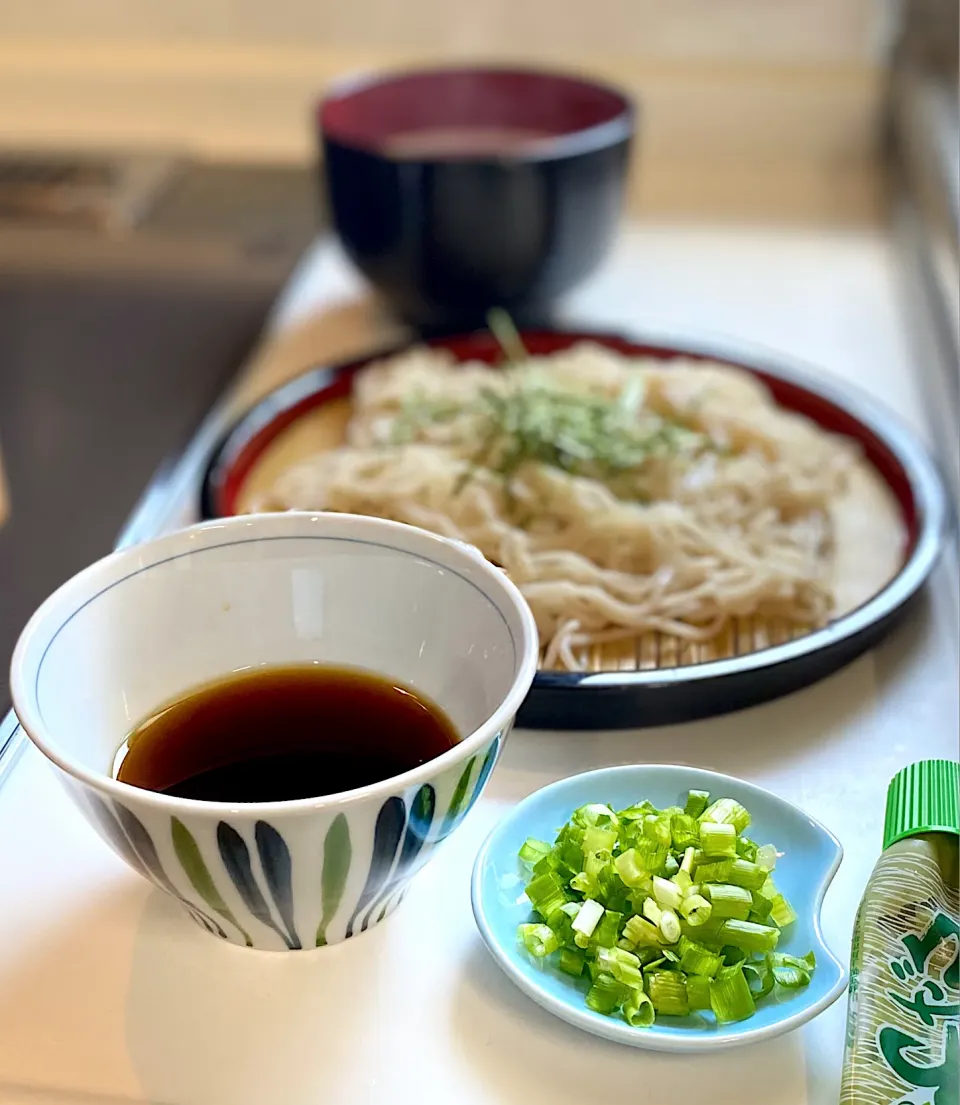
column 663, row 695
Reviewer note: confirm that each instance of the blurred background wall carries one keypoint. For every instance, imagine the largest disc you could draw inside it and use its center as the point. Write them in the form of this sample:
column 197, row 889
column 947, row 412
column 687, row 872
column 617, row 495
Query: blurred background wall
column 751, row 107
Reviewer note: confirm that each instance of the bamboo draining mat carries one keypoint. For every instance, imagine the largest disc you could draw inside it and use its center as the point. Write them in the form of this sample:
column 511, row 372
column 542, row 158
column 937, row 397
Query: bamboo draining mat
column 659, row 651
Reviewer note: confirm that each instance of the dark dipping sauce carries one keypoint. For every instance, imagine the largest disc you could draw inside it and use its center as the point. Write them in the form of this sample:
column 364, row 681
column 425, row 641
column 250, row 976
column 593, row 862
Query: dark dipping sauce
column 282, row 733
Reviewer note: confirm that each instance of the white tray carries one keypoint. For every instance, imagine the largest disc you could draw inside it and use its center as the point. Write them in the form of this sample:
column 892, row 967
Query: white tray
column 108, row 994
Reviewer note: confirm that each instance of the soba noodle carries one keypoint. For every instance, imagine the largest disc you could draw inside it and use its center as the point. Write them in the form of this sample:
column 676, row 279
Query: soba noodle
column 715, row 507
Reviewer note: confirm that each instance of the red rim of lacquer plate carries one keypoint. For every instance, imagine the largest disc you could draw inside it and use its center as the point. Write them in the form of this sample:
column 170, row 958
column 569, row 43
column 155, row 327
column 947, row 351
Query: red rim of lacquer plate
column 893, row 451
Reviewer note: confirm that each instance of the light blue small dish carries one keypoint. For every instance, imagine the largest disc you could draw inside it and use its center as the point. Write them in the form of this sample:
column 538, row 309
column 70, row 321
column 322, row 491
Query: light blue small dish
column 811, row 856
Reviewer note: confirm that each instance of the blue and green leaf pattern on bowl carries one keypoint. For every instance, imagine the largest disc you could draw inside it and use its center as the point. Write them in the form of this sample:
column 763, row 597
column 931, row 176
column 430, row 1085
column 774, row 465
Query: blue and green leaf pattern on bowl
column 266, row 885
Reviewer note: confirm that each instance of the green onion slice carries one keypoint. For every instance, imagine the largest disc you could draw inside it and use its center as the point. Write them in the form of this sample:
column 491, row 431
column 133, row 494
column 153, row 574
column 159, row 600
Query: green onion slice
column 668, row 992
column 539, row 940
column 718, row 840
column 730, row 996
column 697, row 801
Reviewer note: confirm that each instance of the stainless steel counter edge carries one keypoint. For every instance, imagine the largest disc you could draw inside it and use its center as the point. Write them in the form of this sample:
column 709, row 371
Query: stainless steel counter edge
column 153, row 513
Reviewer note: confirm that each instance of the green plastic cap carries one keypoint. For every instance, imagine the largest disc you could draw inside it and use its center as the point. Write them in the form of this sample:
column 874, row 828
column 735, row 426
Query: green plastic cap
column 923, row 798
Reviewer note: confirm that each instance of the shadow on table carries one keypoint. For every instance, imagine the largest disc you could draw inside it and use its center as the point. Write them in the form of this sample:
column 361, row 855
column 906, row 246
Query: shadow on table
column 203, row 1022
column 766, row 741
column 521, row 1054
column 757, row 742
column 209, row 1023
column 50, row 1044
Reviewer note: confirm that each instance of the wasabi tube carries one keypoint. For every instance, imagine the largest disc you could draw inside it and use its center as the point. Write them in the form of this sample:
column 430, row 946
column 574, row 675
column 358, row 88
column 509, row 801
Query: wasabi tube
column 903, row 1019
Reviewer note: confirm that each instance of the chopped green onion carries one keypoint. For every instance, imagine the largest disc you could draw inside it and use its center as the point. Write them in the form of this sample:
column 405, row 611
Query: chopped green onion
column 606, row 995
column 571, row 962
column 622, row 965
column 749, row 875
column 597, row 839
column 728, row 900
column 695, row 909
column 657, row 829
column 781, row 912
column 667, row 894
column 534, row 850
column 695, row 959
column 685, row 831
column 606, row 933
column 791, row 978
column 730, row 996
column 539, row 940
column 596, row 813
column 547, row 865
column 759, row 976
column 630, row 871
column 707, row 932
column 761, row 908
column 638, row 1010
column 726, row 811
column 586, row 883
column 792, row 971
column 697, row 802
column 746, row 849
column 682, row 881
column 637, row 812
column 749, row 936
column 668, row 992
column 714, row 870
column 651, row 856
column 766, row 857
column 588, row 918
column 546, row 894
column 718, row 839
column 664, row 911
column 649, row 953
column 639, row 930
column 669, row 926
column 805, row 962
column 698, row 992
column 769, row 889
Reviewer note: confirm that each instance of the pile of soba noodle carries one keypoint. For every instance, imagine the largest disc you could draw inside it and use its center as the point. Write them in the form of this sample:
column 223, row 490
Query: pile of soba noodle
column 619, row 494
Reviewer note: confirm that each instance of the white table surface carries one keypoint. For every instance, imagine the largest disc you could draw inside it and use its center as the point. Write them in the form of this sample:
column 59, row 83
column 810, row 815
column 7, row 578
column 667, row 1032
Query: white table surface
column 108, row 994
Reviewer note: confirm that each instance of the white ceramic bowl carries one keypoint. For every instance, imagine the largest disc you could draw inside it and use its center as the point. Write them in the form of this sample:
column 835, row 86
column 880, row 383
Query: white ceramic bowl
column 144, row 625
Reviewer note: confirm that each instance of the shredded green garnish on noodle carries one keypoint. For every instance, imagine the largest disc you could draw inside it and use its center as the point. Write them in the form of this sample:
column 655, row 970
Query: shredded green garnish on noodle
column 585, row 435
column 533, row 420
column 661, row 912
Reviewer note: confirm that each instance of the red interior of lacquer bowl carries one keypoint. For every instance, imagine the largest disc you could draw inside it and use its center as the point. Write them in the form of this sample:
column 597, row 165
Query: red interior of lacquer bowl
column 483, row 347
column 367, row 114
